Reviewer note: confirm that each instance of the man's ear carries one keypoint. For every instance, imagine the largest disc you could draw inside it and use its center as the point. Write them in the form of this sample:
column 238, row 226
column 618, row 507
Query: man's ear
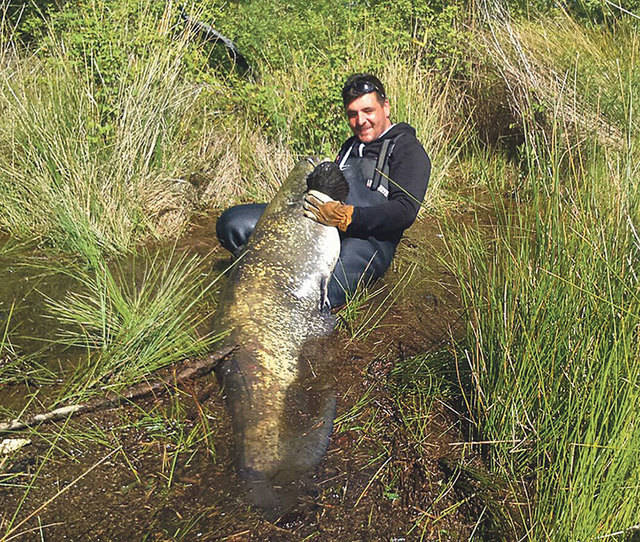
column 387, row 108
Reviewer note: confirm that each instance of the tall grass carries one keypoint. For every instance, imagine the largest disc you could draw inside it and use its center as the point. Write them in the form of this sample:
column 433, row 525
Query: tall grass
column 554, row 350
column 540, row 60
column 554, row 313
column 63, row 176
column 421, row 98
column 133, row 322
column 92, row 168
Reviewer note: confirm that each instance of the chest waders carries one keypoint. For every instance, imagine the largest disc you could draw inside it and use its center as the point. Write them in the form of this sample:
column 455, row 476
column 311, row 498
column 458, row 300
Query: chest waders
column 362, row 260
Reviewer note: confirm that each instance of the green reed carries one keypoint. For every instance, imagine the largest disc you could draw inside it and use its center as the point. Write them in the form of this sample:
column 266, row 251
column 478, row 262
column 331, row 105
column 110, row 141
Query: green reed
column 551, row 292
column 552, row 339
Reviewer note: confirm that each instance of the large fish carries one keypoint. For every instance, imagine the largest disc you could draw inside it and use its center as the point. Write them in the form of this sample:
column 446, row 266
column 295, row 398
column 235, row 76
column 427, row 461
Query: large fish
column 276, row 310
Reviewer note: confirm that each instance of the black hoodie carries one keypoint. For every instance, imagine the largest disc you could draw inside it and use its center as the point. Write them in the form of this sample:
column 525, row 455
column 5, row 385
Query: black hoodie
column 409, row 167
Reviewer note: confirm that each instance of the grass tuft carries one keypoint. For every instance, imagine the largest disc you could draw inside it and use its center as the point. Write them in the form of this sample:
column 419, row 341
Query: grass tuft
column 133, row 322
column 552, row 341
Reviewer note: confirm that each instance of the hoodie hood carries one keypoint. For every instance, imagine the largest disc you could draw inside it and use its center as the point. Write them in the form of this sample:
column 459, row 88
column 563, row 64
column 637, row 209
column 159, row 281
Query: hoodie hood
column 401, row 127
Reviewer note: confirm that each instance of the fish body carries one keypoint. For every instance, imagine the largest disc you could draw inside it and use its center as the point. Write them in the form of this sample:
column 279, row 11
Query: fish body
column 275, row 310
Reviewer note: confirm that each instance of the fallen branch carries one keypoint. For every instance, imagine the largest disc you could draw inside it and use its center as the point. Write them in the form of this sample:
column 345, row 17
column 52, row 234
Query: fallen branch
column 208, row 33
column 194, row 370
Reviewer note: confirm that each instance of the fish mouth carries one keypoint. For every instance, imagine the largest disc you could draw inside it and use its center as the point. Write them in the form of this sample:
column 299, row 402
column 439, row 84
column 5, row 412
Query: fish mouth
column 316, row 160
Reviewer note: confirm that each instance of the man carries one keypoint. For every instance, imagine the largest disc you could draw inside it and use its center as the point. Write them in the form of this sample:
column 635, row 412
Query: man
column 387, row 170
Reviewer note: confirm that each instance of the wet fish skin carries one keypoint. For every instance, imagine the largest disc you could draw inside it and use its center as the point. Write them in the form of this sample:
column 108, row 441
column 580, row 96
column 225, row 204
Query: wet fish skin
column 275, row 307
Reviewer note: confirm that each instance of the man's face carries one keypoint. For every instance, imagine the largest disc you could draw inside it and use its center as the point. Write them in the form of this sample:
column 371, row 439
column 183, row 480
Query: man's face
column 368, row 118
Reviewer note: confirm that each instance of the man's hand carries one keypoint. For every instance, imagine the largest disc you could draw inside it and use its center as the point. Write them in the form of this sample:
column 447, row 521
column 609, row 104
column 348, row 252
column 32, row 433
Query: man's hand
column 319, row 207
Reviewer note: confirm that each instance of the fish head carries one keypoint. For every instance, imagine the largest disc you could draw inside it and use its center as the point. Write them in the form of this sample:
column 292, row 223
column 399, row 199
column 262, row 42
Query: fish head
column 327, row 177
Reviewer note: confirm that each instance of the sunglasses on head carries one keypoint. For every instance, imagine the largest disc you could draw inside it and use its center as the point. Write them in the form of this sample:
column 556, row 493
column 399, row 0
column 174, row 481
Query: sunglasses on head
column 364, row 87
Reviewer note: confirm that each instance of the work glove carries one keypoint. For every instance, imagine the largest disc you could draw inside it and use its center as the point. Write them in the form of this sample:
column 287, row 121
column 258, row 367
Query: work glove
column 324, row 210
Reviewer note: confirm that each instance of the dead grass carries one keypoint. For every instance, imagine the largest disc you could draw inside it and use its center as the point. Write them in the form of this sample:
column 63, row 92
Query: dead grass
column 540, row 64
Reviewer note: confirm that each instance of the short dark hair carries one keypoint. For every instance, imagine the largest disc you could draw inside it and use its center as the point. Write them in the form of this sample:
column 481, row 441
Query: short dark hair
column 360, row 84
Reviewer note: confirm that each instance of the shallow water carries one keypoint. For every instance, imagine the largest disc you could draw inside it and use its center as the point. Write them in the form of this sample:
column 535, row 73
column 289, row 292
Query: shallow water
column 162, row 469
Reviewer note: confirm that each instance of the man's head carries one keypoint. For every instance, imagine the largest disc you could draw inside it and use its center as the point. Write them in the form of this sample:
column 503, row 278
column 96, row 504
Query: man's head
column 366, row 106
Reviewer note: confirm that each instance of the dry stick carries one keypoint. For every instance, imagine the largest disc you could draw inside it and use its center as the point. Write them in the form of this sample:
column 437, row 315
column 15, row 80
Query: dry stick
column 194, row 370
column 371, row 481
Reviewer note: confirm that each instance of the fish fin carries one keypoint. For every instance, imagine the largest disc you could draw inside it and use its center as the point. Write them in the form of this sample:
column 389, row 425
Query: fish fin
column 325, row 305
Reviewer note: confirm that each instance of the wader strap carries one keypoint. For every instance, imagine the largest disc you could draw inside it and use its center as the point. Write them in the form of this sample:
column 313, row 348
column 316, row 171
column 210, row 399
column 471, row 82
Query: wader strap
column 379, row 181
column 342, row 160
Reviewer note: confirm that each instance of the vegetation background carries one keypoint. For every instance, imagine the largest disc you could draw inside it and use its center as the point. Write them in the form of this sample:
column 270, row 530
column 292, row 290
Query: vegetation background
column 119, row 125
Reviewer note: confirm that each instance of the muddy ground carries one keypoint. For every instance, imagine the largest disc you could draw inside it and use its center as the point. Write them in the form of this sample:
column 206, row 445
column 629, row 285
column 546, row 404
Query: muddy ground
column 116, row 474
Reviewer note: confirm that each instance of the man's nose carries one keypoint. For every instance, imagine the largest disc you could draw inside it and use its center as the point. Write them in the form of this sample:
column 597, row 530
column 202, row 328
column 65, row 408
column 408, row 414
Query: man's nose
column 361, row 118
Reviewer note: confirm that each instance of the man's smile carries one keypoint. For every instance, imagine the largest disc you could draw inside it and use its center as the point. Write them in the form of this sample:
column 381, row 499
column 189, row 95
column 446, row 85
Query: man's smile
column 368, row 117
